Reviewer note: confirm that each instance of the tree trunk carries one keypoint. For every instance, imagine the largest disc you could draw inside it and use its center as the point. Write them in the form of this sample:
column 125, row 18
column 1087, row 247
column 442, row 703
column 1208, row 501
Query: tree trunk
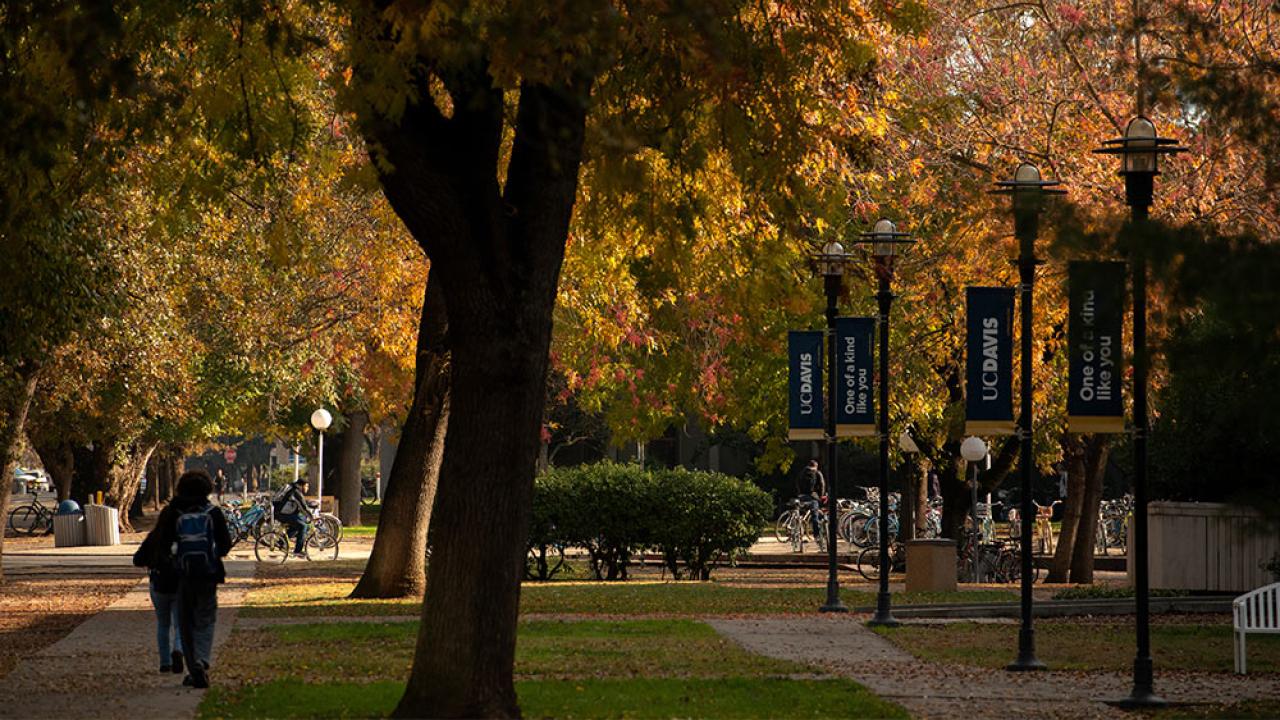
column 349, row 467
column 498, row 251
column 17, row 391
column 397, row 565
column 1096, row 450
column 60, row 463
column 118, row 473
column 1073, row 459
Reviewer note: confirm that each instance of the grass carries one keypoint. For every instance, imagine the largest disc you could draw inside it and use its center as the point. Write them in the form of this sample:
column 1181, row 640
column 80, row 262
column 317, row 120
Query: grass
column 630, row 598
column 584, row 669
column 545, row 649
column 586, row 698
column 1073, row 644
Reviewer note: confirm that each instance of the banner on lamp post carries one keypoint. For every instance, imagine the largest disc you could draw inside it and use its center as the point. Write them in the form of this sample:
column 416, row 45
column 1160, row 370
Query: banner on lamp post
column 855, row 406
column 1095, row 333
column 989, row 362
column 804, row 363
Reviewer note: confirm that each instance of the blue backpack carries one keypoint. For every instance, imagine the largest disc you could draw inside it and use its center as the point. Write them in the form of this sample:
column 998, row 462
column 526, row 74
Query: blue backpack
column 195, row 552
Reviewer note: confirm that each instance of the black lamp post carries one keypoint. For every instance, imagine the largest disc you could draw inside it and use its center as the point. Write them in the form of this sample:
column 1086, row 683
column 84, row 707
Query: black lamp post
column 886, row 243
column 1139, row 151
column 1027, row 190
column 831, row 263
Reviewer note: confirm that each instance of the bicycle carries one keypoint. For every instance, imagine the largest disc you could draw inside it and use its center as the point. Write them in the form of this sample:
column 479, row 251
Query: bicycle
column 31, row 519
column 368, row 491
column 799, row 528
column 869, row 561
column 275, row 546
column 1043, row 529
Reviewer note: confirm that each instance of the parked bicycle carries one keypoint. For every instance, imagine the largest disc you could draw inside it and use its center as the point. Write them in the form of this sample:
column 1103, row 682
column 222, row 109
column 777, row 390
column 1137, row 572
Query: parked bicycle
column 1114, row 517
column 869, row 561
column 1043, row 531
column 32, row 519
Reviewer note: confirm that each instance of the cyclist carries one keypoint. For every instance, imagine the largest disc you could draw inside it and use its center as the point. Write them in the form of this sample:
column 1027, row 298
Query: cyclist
column 290, row 506
column 810, row 486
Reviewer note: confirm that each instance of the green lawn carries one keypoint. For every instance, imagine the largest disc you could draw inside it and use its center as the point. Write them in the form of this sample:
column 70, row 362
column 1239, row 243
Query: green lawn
column 587, row 669
column 587, row 698
column 629, row 598
column 1073, row 644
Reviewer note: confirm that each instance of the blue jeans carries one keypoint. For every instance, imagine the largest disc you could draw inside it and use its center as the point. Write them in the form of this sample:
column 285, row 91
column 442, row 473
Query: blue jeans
column 810, row 503
column 198, row 603
column 295, row 527
column 166, row 607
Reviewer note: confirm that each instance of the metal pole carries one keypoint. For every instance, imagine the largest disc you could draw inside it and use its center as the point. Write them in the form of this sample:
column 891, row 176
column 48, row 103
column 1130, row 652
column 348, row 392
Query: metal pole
column 1025, row 210
column 884, row 298
column 1143, row 693
column 320, row 472
column 977, row 526
column 833, row 604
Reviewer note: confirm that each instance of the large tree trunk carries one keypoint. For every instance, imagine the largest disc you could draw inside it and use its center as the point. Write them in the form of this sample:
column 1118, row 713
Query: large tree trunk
column 397, row 565
column 1096, row 450
column 1073, row 460
column 498, row 252
column 16, row 391
column 349, row 467
column 118, row 473
column 59, row 462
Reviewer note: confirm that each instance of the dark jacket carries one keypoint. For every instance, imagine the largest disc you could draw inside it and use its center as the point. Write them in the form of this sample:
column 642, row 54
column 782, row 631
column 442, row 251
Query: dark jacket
column 156, row 549
column 294, row 493
column 810, row 482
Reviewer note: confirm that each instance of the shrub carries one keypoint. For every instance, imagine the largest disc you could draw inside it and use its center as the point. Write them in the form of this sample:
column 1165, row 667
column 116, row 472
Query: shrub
column 706, row 517
column 614, row 511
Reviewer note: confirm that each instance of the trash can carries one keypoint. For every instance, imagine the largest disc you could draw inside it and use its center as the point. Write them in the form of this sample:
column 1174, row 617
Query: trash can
column 68, row 524
column 931, row 565
column 102, row 525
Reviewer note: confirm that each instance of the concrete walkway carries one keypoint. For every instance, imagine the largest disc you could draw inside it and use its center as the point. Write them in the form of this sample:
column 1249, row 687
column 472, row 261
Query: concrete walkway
column 107, row 667
column 845, row 647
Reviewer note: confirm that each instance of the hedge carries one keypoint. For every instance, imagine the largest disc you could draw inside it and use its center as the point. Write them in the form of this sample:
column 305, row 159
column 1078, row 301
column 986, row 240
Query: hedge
column 614, row 511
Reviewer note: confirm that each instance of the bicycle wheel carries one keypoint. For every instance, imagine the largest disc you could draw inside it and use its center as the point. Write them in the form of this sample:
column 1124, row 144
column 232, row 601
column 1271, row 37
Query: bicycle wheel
column 320, row 545
column 332, row 525
column 795, row 533
column 24, row 520
column 272, row 547
column 236, row 533
column 782, row 527
column 860, row 532
column 869, row 564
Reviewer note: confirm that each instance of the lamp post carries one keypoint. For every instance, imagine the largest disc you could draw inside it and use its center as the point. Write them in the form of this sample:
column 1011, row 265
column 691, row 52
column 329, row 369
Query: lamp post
column 320, row 420
column 886, row 243
column 831, row 263
column 973, row 450
column 1027, row 190
column 1139, row 152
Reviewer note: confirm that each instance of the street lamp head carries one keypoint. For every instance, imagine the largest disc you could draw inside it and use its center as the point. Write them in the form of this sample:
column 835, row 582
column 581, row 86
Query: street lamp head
column 885, row 240
column 832, row 259
column 973, row 449
column 1026, row 173
column 1141, row 139
column 321, row 419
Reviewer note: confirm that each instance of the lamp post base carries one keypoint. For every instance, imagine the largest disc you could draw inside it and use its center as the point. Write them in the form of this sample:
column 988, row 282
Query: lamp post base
column 1143, row 695
column 883, row 617
column 1027, row 660
column 836, row 607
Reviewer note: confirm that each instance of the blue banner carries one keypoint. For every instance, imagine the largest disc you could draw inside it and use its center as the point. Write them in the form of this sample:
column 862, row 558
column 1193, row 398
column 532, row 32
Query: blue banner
column 989, row 362
column 855, row 403
column 1095, row 358
column 804, row 361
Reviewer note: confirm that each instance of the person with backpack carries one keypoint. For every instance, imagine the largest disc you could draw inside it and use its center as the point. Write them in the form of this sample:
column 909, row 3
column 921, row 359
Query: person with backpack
column 290, row 506
column 194, row 532
column 164, row 580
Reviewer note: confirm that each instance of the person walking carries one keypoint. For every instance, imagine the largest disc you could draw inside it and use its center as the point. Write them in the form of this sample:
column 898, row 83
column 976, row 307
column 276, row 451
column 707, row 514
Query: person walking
column 219, row 483
column 195, row 533
column 163, row 583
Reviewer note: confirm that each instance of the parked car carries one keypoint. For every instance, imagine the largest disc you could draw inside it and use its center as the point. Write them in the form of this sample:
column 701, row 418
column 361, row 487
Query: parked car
column 27, row 480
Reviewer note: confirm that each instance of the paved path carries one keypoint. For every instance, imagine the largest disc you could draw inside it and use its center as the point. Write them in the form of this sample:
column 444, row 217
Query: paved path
column 845, row 647
column 107, row 667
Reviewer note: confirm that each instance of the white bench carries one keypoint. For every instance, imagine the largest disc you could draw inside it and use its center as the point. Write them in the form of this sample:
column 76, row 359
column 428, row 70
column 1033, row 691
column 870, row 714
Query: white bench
column 1257, row 611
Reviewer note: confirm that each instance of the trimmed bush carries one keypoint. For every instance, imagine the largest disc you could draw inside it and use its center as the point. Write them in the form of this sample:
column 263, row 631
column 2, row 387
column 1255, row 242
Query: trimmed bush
column 614, row 511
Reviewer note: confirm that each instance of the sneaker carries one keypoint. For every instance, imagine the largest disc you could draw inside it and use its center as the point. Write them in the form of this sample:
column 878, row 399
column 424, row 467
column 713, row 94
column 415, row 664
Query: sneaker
column 166, row 669
column 177, row 661
column 199, row 677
